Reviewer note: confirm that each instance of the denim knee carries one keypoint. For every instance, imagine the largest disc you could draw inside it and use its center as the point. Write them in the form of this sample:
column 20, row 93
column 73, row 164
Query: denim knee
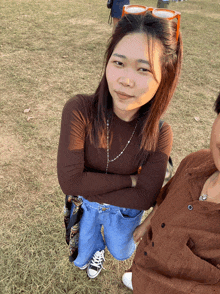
column 123, row 253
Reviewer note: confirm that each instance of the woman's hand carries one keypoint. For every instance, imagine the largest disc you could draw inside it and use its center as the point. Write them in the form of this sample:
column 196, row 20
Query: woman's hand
column 140, row 231
column 134, row 179
column 144, row 227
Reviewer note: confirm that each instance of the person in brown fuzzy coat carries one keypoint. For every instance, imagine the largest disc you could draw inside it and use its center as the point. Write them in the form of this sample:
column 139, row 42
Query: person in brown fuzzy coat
column 180, row 249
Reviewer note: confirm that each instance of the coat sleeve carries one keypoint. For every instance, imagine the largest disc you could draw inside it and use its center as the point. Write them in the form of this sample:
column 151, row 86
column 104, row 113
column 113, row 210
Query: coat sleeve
column 73, row 178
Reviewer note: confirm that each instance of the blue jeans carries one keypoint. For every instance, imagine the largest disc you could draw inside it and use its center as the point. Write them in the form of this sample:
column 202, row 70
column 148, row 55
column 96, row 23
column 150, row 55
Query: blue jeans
column 119, row 224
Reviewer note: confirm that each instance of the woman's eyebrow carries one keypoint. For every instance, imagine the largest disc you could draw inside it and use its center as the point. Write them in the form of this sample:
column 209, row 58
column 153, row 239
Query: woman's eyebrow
column 139, row 60
column 119, row 55
column 143, row 61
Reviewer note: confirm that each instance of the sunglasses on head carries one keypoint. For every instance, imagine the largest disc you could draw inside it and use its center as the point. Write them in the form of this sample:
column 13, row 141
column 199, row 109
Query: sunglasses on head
column 156, row 12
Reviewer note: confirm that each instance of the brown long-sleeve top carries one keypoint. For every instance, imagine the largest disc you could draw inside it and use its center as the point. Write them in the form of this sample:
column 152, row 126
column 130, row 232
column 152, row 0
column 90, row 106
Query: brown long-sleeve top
column 180, row 253
column 81, row 166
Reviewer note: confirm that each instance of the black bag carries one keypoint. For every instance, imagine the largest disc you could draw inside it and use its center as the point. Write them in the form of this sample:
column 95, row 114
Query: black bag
column 72, row 224
column 109, row 3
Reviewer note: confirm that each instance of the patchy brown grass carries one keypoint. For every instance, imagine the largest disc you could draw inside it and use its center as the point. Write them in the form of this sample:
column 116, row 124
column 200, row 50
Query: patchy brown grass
column 51, row 50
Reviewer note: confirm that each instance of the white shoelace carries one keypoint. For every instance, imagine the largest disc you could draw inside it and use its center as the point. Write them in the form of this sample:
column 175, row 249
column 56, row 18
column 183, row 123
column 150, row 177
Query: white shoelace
column 98, row 259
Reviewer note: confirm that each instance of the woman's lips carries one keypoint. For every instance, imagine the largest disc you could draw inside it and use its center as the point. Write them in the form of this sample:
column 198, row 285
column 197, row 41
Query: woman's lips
column 123, row 95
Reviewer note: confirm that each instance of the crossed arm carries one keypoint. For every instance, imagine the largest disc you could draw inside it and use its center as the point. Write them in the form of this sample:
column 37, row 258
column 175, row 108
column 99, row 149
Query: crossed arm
column 131, row 191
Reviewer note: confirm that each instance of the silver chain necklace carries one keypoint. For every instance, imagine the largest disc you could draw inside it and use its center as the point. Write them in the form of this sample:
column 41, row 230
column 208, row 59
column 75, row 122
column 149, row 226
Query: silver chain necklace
column 111, row 160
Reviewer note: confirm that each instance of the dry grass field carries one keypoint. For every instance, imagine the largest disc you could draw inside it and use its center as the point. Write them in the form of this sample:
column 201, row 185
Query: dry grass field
column 51, row 50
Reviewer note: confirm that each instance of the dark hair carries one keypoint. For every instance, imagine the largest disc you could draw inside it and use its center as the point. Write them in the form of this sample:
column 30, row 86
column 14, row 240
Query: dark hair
column 217, row 104
column 156, row 29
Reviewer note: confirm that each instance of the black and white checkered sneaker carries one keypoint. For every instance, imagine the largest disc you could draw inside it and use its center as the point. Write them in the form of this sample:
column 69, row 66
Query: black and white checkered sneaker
column 96, row 264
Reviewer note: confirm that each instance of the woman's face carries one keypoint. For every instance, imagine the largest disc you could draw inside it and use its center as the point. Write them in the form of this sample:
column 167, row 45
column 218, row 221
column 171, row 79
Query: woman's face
column 215, row 142
column 130, row 80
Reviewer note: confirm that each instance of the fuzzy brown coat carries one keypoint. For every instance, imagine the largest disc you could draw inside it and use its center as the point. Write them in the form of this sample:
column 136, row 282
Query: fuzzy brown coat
column 180, row 253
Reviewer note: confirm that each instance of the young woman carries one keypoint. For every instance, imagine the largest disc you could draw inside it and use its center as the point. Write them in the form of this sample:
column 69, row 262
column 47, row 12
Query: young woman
column 111, row 152
column 180, row 249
